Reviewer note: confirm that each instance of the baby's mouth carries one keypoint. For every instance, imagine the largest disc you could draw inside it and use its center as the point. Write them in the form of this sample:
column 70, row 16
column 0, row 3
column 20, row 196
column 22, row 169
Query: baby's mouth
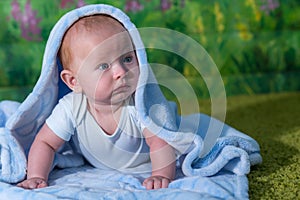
column 124, row 87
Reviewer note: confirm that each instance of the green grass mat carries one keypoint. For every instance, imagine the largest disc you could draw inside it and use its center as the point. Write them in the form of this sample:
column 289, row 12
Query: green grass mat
column 274, row 121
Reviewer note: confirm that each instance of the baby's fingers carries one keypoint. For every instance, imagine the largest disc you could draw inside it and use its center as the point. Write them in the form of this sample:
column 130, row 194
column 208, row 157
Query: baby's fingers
column 156, row 182
column 160, row 183
column 32, row 184
column 165, row 183
column 27, row 185
column 42, row 184
column 148, row 184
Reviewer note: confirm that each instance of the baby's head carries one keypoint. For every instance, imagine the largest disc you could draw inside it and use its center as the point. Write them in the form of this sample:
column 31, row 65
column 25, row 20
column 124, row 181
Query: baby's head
column 101, row 26
column 98, row 58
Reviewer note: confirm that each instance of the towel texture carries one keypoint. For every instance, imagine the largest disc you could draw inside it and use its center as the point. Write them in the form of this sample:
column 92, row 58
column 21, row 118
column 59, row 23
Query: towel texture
column 228, row 161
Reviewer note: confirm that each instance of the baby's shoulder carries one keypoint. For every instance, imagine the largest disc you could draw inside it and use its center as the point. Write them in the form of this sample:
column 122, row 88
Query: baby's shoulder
column 72, row 98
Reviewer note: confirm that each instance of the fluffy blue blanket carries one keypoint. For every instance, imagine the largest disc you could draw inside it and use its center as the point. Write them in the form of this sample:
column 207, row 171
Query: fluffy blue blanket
column 218, row 174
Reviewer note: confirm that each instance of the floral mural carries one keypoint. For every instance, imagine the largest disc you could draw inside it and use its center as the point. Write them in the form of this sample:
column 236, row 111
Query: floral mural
column 254, row 43
column 27, row 20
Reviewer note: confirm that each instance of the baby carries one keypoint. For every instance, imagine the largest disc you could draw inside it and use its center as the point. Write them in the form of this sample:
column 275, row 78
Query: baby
column 100, row 66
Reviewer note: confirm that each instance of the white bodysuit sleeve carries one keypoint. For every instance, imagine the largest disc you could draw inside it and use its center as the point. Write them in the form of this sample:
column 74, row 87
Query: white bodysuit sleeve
column 61, row 121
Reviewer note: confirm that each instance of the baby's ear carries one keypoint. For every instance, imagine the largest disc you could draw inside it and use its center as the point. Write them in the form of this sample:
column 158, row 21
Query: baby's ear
column 70, row 80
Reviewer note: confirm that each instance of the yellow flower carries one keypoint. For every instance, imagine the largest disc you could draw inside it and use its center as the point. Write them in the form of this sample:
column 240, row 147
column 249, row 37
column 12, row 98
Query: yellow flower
column 245, row 35
column 219, row 17
column 220, row 27
column 200, row 29
column 199, row 24
column 252, row 4
column 244, row 32
column 241, row 27
column 257, row 15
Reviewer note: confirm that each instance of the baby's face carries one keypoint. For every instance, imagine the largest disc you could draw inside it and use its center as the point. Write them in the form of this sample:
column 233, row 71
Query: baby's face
column 106, row 66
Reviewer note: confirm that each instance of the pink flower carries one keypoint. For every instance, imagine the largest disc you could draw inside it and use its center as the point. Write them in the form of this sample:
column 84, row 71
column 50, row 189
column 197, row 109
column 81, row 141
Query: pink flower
column 80, row 3
column 133, row 6
column 15, row 10
column 165, row 5
column 27, row 20
column 269, row 5
column 66, row 3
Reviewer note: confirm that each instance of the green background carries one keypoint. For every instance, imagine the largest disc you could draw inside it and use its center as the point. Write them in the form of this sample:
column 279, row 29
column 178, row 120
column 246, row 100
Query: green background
column 255, row 51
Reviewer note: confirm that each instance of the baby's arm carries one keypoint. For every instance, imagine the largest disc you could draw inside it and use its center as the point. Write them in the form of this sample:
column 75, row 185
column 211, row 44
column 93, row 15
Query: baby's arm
column 163, row 162
column 40, row 158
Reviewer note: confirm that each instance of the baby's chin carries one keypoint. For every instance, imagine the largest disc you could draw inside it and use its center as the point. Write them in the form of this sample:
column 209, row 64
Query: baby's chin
column 118, row 98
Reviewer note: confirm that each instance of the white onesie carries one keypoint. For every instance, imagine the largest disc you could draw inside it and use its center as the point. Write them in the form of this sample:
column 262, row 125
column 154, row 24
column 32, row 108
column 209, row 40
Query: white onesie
column 124, row 150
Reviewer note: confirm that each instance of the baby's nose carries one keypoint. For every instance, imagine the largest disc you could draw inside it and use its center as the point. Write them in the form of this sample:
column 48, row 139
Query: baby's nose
column 119, row 70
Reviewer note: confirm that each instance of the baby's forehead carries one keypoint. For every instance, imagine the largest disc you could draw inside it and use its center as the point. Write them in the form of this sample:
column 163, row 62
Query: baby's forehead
column 98, row 24
column 110, row 48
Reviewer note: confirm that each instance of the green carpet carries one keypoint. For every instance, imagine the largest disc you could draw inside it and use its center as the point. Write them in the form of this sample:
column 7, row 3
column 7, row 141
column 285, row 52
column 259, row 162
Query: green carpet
column 273, row 120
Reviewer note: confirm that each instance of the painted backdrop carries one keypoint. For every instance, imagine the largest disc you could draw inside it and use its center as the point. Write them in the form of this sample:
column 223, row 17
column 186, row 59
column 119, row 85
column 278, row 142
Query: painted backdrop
column 255, row 43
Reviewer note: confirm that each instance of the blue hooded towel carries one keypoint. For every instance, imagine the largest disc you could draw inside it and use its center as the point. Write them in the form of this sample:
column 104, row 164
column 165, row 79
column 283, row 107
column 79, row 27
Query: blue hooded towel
column 219, row 174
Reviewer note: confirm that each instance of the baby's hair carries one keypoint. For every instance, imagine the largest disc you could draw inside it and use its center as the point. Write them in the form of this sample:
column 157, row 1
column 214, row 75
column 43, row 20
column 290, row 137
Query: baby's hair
column 93, row 23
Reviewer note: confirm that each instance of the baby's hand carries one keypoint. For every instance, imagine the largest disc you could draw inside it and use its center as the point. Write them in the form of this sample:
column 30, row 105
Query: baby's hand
column 156, row 182
column 33, row 183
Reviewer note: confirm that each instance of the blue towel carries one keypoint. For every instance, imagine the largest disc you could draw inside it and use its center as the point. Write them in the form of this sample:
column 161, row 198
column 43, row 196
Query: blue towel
column 219, row 173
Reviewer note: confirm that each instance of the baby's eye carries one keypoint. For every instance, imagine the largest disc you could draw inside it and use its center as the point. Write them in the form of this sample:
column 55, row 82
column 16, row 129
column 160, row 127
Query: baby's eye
column 103, row 66
column 127, row 59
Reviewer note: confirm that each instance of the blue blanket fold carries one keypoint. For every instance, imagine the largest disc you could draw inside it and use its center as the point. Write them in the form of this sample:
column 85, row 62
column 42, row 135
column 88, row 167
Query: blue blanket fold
column 220, row 174
column 13, row 161
column 80, row 183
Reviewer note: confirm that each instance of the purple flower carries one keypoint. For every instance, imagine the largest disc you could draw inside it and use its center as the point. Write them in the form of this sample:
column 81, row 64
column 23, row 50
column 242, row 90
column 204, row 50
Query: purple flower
column 165, row 5
column 80, row 3
column 15, row 10
column 133, row 6
column 269, row 5
column 66, row 3
column 27, row 20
